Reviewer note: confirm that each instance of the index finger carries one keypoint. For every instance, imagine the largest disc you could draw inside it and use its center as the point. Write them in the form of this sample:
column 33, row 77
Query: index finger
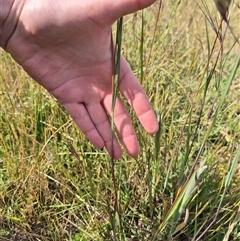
column 130, row 87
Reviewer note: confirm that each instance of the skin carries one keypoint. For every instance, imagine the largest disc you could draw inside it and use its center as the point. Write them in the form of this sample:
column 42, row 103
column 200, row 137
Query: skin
column 66, row 47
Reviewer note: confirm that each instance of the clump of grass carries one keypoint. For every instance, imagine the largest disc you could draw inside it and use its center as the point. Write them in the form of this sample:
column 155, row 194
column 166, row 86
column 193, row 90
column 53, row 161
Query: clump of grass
column 183, row 186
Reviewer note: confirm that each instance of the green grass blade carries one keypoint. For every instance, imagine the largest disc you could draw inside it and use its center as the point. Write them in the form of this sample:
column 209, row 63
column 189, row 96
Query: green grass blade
column 115, row 217
column 181, row 200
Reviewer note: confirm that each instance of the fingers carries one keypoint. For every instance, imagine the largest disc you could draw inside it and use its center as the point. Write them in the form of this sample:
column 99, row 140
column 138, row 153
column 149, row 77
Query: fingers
column 101, row 122
column 94, row 123
column 112, row 10
column 123, row 125
column 81, row 117
column 136, row 97
column 120, row 8
column 93, row 119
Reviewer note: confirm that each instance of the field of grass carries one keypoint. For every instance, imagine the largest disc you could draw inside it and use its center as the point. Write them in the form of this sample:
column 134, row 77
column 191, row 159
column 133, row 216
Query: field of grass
column 185, row 184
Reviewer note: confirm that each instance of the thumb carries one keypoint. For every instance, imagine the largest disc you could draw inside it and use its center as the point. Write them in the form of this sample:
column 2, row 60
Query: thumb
column 119, row 8
column 124, row 7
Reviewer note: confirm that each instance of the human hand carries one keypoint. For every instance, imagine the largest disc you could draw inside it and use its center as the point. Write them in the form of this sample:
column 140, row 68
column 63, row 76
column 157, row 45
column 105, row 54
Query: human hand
column 66, row 47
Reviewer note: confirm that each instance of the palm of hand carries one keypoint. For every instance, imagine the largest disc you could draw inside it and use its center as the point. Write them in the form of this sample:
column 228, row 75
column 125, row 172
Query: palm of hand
column 66, row 47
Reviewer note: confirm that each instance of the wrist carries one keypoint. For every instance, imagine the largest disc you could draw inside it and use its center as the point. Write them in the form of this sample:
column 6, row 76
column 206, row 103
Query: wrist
column 9, row 15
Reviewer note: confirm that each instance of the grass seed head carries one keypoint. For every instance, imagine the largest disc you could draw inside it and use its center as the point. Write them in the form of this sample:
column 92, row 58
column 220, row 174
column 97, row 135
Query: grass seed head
column 223, row 6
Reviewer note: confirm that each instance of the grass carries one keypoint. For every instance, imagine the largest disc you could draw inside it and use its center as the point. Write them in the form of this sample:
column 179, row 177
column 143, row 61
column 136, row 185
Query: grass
column 185, row 184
